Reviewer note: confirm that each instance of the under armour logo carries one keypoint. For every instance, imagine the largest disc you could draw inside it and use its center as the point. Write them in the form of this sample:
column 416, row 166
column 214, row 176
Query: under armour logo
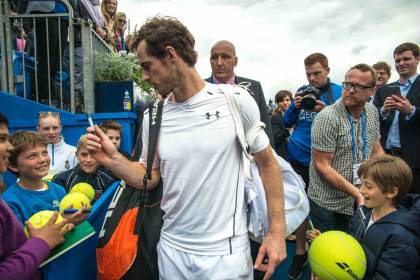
column 67, row 165
column 216, row 114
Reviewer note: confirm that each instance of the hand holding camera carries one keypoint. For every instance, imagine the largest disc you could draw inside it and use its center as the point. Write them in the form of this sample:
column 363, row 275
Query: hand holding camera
column 309, row 99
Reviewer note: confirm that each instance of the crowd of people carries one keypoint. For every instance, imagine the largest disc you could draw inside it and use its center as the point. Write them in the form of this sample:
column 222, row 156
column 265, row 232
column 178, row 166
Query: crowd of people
column 45, row 39
column 352, row 142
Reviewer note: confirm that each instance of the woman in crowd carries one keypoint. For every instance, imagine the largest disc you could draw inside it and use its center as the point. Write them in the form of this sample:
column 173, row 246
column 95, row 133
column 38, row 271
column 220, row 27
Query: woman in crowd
column 109, row 11
column 280, row 132
column 120, row 26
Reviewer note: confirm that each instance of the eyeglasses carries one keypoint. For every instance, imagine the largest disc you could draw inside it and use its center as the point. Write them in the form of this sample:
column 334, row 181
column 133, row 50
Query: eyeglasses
column 356, row 87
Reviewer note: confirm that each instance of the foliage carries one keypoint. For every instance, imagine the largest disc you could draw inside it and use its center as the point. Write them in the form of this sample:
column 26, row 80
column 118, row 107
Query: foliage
column 112, row 67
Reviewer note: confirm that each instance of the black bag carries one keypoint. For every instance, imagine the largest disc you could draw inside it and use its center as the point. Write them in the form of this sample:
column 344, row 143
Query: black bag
column 127, row 244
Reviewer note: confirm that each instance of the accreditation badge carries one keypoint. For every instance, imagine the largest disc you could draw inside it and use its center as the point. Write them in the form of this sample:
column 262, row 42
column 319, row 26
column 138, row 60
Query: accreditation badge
column 356, row 179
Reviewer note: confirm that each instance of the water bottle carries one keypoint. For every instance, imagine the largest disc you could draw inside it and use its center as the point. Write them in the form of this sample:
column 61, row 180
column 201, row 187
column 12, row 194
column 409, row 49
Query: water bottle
column 127, row 101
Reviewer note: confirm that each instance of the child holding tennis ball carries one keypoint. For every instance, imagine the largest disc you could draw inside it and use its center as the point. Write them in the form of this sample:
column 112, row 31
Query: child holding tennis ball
column 388, row 224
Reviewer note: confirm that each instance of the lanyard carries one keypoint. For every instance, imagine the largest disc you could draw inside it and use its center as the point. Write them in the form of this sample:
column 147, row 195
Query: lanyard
column 353, row 137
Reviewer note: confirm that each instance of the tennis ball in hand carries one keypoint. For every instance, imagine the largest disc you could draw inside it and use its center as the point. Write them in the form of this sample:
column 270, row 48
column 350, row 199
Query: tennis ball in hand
column 337, row 255
column 85, row 189
column 75, row 200
column 41, row 218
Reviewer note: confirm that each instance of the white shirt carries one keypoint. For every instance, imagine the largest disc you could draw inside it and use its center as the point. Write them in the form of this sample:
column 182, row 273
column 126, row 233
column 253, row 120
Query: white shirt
column 200, row 163
column 63, row 157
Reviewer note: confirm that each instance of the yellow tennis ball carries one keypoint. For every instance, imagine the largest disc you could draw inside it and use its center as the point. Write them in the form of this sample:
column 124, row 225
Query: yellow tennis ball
column 41, row 218
column 337, row 255
column 77, row 200
column 85, row 189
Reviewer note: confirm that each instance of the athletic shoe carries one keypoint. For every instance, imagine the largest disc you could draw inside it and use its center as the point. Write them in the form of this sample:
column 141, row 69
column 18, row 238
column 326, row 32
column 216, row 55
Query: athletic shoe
column 298, row 265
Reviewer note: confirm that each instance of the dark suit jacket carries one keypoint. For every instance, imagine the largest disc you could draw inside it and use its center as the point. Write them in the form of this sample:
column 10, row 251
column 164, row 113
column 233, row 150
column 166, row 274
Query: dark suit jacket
column 409, row 129
column 256, row 91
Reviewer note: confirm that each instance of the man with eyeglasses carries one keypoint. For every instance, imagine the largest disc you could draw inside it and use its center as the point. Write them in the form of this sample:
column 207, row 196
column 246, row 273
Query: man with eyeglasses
column 343, row 136
column 399, row 107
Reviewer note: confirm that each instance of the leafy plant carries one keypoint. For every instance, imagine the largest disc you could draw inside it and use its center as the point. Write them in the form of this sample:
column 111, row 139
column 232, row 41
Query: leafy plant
column 112, row 67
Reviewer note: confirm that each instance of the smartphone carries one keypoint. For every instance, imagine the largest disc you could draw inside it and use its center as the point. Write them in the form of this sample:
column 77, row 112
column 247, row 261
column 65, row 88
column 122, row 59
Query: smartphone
column 395, row 90
column 89, row 118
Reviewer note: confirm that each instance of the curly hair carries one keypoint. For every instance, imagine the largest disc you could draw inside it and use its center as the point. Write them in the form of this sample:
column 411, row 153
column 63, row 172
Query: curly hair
column 162, row 31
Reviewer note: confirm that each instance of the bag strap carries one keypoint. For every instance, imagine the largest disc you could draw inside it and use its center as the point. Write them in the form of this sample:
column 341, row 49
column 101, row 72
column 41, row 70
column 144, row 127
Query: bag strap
column 155, row 120
column 237, row 119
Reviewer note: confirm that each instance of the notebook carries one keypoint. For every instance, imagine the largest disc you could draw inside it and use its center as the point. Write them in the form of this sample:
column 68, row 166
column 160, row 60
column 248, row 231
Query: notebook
column 81, row 232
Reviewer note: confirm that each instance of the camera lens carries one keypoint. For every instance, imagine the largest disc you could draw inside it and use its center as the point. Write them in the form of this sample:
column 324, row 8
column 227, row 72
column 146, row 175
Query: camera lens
column 308, row 102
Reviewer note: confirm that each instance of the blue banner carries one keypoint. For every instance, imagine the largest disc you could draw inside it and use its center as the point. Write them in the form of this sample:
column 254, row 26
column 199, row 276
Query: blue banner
column 80, row 262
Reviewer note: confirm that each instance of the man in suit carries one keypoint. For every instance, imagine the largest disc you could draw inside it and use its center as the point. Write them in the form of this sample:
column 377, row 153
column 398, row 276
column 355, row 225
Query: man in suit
column 223, row 60
column 399, row 108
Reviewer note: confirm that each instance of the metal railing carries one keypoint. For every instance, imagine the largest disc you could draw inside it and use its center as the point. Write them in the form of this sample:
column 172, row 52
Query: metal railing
column 65, row 97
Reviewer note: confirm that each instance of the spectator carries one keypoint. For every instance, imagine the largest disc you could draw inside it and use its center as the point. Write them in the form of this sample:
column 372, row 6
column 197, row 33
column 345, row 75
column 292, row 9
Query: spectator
column 280, row 132
column 223, row 61
column 299, row 145
column 48, row 58
column 120, row 27
column 87, row 171
column 383, row 73
column 109, row 11
column 20, row 256
column 344, row 135
column 128, row 41
column 387, row 226
column 399, row 107
column 63, row 156
column 113, row 130
column 31, row 194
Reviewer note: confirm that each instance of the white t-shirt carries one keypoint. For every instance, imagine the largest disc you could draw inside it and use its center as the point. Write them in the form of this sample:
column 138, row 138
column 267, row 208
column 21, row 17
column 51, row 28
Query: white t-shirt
column 200, row 163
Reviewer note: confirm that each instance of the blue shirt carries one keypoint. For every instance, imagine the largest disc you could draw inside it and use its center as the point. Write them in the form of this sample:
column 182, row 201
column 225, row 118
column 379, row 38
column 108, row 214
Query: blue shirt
column 25, row 203
column 393, row 140
column 299, row 145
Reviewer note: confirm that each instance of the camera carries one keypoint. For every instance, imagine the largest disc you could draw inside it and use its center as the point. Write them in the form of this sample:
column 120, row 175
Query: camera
column 310, row 96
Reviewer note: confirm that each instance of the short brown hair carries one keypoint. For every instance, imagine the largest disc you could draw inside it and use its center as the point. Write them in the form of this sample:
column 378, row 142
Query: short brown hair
column 282, row 94
column 160, row 32
column 387, row 172
column 362, row 67
column 316, row 57
column 407, row 47
column 21, row 140
column 382, row 65
column 110, row 124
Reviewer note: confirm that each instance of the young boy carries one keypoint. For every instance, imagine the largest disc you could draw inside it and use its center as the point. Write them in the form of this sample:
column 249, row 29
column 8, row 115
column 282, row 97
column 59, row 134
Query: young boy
column 87, row 171
column 388, row 225
column 20, row 257
column 113, row 130
column 31, row 194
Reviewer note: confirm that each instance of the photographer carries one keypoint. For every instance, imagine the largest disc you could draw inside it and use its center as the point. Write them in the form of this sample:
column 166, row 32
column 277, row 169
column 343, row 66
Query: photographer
column 308, row 101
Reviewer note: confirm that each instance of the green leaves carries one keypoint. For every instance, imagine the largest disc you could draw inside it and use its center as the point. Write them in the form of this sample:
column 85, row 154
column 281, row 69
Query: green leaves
column 111, row 67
